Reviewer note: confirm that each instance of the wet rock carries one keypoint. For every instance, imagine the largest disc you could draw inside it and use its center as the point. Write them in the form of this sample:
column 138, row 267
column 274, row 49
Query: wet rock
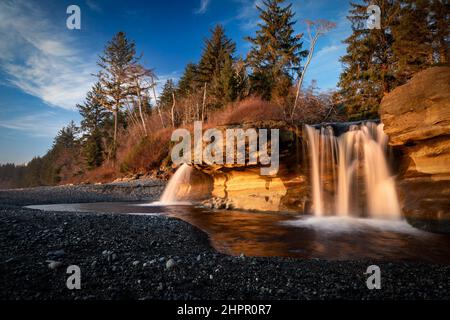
column 54, row 264
column 170, row 264
column 57, row 253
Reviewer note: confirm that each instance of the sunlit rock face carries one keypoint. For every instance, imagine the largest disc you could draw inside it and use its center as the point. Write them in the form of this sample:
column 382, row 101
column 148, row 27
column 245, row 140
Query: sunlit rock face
column 416, row 118
column 243, row 187
column 248, row 190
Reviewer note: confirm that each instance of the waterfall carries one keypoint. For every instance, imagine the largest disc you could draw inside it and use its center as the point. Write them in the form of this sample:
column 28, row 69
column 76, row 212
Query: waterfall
column 349, row 173
column 178, row 187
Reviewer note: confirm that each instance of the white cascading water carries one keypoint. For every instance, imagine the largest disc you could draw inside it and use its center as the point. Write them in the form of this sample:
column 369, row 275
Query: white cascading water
column 178, row 187
column 350, row 174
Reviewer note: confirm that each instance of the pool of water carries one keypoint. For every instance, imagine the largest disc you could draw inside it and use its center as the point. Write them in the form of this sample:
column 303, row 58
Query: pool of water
column 287, row 235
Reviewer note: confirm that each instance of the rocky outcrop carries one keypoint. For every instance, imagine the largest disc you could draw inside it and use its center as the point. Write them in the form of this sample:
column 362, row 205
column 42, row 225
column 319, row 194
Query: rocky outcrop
column 416, row 118
column 243, row 187
column 420, row 109
column 246, row 189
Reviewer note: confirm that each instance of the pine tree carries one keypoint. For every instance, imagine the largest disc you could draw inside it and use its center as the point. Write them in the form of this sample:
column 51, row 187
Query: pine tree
column 189, row 82
column 413, row 50
column 118, row 56
column 93, row 125
column 226, row 82
column 276, row 52
column 440, row 10
column 241, row 79
column 64, row 156
column 92, row 111
column 166, row 97
column 218, row 51
column 66, row 138
column 215, row 52
column 368, row 64
column 93, row 149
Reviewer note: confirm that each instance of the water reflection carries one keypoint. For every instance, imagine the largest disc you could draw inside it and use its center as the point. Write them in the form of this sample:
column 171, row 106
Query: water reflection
column 285, row 235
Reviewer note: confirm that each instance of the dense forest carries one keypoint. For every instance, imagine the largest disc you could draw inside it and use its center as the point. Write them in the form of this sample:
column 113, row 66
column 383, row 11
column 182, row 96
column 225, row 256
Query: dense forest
column 126, row 126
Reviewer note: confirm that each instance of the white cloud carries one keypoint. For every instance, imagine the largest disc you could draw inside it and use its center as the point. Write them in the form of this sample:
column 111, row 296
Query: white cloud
column 248, row 16
column 325, row 65
column 40, row 58
column 325, row 62
column 203, row 7
column 93, row 6
column 45, row 124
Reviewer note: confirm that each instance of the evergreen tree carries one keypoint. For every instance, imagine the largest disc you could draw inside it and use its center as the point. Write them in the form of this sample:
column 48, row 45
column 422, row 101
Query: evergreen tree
column 369, row 70
column 66, row 139
column 92, row 111
column 241, row 79
column 93, row 149
column 217, row 52
column 413, row 50
column 189, row 82
column 166, row 97
column 276, row 52
column 440, row 17
column 226, row 83
column 118, row 56
column 93, row 125
column 63, row 155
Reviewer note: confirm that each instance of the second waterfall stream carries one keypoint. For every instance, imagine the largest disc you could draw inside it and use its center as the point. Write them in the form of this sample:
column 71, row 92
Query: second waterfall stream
column 349, row 174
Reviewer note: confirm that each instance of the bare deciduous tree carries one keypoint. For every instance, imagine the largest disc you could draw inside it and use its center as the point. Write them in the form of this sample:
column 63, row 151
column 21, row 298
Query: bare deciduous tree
column 315, row 29
column 158, row 107
column 141, row 80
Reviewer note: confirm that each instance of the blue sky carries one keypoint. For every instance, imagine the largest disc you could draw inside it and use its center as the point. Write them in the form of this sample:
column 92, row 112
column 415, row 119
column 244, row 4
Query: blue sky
column 45, row 69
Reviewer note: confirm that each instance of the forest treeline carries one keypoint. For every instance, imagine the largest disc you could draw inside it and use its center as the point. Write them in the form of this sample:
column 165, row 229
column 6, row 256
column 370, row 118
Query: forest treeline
column 126, row 126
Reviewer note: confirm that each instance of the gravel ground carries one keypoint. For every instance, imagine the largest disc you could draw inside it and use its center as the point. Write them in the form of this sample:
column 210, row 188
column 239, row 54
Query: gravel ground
column 137, row 190
column 156, row 257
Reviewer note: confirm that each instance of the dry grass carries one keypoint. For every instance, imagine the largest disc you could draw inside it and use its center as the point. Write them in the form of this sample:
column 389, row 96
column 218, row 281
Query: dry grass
column 106, row 173
column 251, row 109
column 138, row 153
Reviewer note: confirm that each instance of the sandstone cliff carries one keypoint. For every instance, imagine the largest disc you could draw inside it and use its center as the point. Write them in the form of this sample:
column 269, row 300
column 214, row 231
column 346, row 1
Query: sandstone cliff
column 416, row 117
column 243, row 186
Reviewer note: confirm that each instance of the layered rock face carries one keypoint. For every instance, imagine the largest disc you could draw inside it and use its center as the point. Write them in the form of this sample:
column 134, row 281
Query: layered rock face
column 243, row 186
column 416, row 118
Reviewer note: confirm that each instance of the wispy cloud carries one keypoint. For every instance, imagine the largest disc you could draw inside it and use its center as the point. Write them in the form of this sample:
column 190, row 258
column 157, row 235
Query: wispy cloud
column 330, row 48
column 203, row 7
column 93, row 5
column 45, row 124
column 40, row 58
column 326, row 62
column 248, row 15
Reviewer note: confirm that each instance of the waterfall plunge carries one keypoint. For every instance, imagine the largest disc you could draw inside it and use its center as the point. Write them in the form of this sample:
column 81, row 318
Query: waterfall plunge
column 350, row 174
column 178, row 187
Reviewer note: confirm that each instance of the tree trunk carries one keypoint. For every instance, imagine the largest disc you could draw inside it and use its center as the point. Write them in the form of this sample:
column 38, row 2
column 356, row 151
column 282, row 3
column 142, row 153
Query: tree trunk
column 157, row 104
column 173, row 109
column 140, row 111
column 115, row 132
column 204, row 103
column 302, row 77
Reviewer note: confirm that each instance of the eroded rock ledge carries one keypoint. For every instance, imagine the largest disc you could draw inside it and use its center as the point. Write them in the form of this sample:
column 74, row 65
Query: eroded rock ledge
column 243, row 186
column 416, row 118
